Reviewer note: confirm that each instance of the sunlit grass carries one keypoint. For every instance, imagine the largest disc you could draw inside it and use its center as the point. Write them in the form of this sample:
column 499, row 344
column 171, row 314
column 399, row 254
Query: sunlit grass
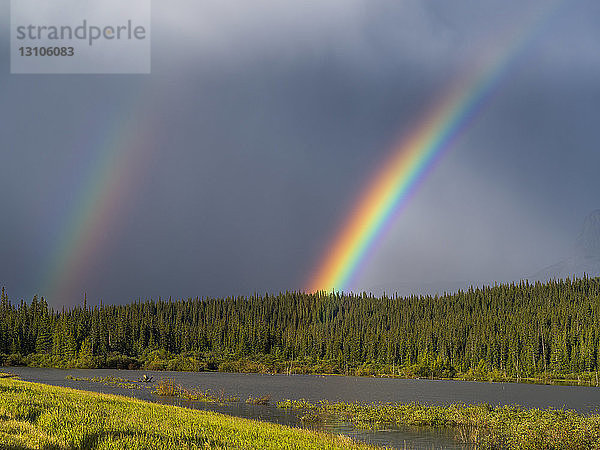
column 39, row 416
column 7, row 375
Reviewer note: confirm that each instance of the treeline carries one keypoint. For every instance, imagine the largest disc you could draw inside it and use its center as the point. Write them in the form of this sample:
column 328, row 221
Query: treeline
column 512, row 330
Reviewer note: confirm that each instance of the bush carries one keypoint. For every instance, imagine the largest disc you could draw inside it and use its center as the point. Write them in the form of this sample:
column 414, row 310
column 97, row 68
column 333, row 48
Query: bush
column 228, row 366
column 155, row 365
column 189, row 364
column 167, row 388
column 364, row 371
column 121, row 362
column 15, row 359
column 212, row 365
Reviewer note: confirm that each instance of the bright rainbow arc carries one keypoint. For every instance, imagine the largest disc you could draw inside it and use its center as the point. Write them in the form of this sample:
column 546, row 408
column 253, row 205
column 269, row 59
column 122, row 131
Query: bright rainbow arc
column 410, row 161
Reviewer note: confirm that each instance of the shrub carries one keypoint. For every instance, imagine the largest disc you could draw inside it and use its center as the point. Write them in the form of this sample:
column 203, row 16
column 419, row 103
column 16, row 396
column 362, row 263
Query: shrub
column 15, row 359
column 167, row 388
column 264, row 400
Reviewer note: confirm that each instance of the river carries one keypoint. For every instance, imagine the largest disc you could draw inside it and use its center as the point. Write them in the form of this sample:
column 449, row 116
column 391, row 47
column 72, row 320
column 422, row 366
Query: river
column 334, row 388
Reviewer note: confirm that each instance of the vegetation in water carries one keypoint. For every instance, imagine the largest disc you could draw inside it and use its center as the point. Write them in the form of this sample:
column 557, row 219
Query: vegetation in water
column 38, row 416
column 260, row 400
column 542, row 332
column 112, row 381
column 485, row 425
column 168, row 388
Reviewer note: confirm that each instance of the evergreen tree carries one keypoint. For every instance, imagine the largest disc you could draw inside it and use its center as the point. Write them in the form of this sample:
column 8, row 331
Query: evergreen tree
column 520, row 329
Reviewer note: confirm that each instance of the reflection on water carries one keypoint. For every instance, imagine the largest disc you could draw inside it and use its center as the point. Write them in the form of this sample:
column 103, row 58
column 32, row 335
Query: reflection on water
column 333, row 388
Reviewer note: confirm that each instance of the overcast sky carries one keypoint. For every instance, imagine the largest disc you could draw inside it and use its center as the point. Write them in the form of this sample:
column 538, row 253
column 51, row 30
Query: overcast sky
column 236, row 160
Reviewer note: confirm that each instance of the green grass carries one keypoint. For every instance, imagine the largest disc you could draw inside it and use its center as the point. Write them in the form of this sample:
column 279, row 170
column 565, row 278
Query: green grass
column 483, row 424
column 36, row 416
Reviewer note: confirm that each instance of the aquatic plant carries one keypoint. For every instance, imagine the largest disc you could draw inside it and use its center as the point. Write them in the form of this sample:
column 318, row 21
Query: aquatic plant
column 264, row 400
column 167, row 388
column 111, row 381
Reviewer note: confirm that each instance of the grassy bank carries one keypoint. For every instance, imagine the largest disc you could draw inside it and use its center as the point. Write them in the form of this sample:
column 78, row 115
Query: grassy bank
column 484, row 425
column 38, row 416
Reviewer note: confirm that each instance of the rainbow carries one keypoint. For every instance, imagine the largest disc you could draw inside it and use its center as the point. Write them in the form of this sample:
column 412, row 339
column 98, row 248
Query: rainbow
column 389, row 190
column 122, row 156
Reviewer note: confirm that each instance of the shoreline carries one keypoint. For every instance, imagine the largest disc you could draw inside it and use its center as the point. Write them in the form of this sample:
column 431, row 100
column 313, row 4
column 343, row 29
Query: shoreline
column 586, row 379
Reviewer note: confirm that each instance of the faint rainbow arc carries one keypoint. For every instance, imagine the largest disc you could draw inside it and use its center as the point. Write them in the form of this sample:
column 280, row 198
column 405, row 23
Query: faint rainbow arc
column 114, row 176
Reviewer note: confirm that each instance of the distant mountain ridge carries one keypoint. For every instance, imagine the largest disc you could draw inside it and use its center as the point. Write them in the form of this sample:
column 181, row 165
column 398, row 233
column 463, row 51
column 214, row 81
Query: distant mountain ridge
column 585, row 258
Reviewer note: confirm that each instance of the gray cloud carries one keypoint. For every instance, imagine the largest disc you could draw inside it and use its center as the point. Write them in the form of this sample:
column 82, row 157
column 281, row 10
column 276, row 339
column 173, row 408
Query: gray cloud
column 269, row 118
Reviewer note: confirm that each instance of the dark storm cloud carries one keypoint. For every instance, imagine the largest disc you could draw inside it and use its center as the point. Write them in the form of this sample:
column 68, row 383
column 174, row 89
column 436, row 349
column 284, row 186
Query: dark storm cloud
column 271, row 118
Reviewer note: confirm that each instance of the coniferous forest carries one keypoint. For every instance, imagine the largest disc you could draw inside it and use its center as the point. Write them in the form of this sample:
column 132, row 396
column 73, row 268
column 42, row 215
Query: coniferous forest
column 513, row 331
